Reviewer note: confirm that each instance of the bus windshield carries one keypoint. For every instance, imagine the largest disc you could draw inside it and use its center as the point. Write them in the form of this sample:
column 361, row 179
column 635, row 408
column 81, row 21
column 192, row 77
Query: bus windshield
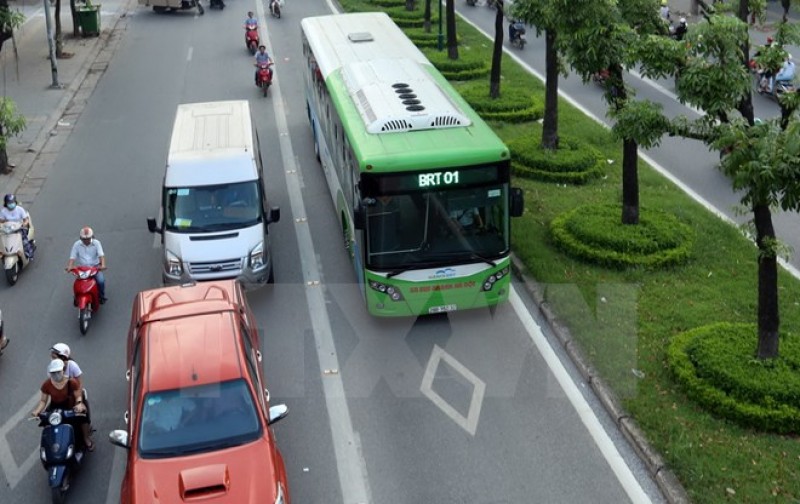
column 425, row 229
column 212, row 208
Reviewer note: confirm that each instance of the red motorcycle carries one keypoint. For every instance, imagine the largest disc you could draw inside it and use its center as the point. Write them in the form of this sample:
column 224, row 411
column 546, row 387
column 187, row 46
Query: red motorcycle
column 264, row 76
column 251, row 38
column 86, row 294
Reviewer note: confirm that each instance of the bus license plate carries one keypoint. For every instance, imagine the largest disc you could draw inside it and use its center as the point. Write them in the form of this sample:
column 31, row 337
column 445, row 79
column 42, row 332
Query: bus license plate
column 442, row 309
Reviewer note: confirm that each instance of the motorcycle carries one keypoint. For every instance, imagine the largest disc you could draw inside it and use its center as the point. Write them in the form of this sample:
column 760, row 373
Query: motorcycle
column 519, row 40
column 471, row 3
column 779, row 87
column 264, row 76
column 251, row 39
column 275, row 8
column 86, row 294
column 14, row 257
column 216, row 3
column 62, row 449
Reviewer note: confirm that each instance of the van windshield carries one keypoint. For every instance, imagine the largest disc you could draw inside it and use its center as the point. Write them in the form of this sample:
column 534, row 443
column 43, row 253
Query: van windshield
column 212, row 208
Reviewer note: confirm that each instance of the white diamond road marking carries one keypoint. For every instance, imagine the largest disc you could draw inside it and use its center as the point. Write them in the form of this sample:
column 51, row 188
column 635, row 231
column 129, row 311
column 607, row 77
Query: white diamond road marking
column 14, row 473
column 470, row 422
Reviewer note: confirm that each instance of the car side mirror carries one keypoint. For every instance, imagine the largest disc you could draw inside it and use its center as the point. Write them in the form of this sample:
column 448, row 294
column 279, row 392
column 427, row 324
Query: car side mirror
column 277, row 412
column 151, row 225
column 517, row 204
column 274, row 215
column 120, row 438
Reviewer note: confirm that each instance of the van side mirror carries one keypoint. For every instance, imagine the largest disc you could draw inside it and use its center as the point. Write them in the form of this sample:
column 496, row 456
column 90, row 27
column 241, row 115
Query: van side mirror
column 274, row 215
column 151, row 225
column 517, row 204
column 277, row 412
column 119, row 438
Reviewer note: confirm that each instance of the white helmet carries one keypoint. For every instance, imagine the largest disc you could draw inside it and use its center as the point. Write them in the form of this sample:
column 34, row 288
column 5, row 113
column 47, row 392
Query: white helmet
column 683, row 20
column 86, row 233
column 55, row 366
column 61, row 349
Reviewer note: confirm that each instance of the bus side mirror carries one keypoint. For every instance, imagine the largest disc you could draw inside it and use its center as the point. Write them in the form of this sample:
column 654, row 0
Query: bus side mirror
column 517, row 202
column 274, row 215
column 151, row 225
column 359, row 217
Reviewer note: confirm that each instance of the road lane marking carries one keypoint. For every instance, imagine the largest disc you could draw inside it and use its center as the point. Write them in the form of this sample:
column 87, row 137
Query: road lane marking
column 115, row 480
column 14, row 473
column 189, row 53
column 470, row 422
column 350, row 463
column 585, row 412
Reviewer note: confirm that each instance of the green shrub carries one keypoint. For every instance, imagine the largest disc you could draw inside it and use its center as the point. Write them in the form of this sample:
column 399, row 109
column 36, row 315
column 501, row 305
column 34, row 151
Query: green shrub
column 516, row 104
column 761, row 394
column 469, row 65
column 573, row 162
column 595, row 233
column 421, row 38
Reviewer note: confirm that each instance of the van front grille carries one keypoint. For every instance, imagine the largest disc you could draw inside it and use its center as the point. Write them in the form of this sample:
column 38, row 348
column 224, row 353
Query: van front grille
column 211, row 268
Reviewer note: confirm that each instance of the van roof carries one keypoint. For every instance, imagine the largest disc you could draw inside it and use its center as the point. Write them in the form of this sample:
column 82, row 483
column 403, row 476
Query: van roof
column 203, row 134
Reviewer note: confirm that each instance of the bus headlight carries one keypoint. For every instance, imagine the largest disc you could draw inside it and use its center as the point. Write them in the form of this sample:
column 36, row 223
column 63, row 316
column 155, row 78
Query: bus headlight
column 392, row 291
column 172, row 264
column 492, row 279
column 257, row 256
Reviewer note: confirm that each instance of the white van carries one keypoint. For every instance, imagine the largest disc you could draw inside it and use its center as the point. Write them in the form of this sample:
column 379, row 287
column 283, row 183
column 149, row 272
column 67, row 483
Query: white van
column 214, row 212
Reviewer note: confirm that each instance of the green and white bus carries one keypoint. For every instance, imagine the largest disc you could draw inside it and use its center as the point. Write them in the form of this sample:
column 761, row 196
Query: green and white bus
column 420, row 183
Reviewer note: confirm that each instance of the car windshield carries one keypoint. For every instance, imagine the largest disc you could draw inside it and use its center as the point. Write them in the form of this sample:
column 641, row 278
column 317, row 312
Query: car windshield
column 424, row 229
column 197, row 419
column 212, row 208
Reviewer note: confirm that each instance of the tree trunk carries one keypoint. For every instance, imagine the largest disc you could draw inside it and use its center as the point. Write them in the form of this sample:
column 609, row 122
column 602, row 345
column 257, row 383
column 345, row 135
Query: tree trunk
column 497, row 54
column 73, row 8
column 4, row 168
column 59, row 40
column 409, row 5
column 785, row 4
column 452, row 38
column 768, row 314
column 427, row 23
column 630, row 182
column 550, row 123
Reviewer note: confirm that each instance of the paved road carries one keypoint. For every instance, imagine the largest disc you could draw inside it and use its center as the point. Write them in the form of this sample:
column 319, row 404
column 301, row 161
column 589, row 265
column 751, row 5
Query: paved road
column 687, row 162
column 471, row 407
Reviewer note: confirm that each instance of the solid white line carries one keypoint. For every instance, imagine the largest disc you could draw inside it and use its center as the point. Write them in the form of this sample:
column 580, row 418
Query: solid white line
column 189, row 53
column 346, row 444
column 602, row 440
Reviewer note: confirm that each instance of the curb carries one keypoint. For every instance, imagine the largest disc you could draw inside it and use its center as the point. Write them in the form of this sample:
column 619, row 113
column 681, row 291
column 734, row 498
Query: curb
column 665, row 479
column 31, row 169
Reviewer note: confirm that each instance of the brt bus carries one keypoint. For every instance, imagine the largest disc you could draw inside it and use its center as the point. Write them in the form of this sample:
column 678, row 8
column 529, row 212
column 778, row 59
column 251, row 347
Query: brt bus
column 420, row 183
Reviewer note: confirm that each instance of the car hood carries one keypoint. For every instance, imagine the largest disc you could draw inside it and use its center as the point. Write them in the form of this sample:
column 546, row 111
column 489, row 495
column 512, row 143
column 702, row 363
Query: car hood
column 245, row 474
column 208, row 247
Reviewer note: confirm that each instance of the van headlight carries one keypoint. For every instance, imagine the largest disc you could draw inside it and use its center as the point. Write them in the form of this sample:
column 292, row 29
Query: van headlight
column 257, row 256
column 172, row 264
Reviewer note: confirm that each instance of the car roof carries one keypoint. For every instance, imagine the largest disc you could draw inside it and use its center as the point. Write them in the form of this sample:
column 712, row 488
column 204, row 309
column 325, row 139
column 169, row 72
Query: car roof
column 190, row 334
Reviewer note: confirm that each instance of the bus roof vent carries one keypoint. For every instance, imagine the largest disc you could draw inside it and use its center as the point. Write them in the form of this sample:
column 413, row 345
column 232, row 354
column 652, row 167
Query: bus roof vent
column 394, row 95
column 360, row 37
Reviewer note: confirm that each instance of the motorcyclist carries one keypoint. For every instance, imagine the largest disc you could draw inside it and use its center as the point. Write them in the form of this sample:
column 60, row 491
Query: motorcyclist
column 273, row 4
column 88, row 251
column 262, row 57
column 251, row 21
column 514, row 30
column 785, row 74
column 59, row 391
column 664, row 10
column 680, row 30
column 12, row 212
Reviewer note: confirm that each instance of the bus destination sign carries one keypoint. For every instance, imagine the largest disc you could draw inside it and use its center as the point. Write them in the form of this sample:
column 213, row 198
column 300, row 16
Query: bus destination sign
column 433, row 180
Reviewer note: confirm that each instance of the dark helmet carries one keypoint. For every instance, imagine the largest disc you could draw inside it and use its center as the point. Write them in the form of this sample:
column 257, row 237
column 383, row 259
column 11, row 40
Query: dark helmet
column 8, row 199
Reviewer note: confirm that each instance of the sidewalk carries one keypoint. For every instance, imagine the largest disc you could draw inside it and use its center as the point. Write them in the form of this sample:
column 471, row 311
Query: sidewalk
column 51, row 112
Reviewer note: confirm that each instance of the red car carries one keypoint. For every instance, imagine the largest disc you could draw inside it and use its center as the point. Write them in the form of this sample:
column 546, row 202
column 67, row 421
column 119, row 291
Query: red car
column 199, row 419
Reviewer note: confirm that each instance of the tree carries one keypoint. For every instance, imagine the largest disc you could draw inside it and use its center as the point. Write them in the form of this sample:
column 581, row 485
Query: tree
column 11, row 123
column 452, row 37
column 601, row 35
column 763, row 157
column 544, row 14
column 497, row 53
column 427, row 23
column 9, row 21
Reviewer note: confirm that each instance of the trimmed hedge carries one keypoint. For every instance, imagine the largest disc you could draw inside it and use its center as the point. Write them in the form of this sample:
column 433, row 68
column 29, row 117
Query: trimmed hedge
column 515, row 105
column 573, row 163
column 716, row 367
column 421, row 38
column 595, row 233
column 469, row 65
